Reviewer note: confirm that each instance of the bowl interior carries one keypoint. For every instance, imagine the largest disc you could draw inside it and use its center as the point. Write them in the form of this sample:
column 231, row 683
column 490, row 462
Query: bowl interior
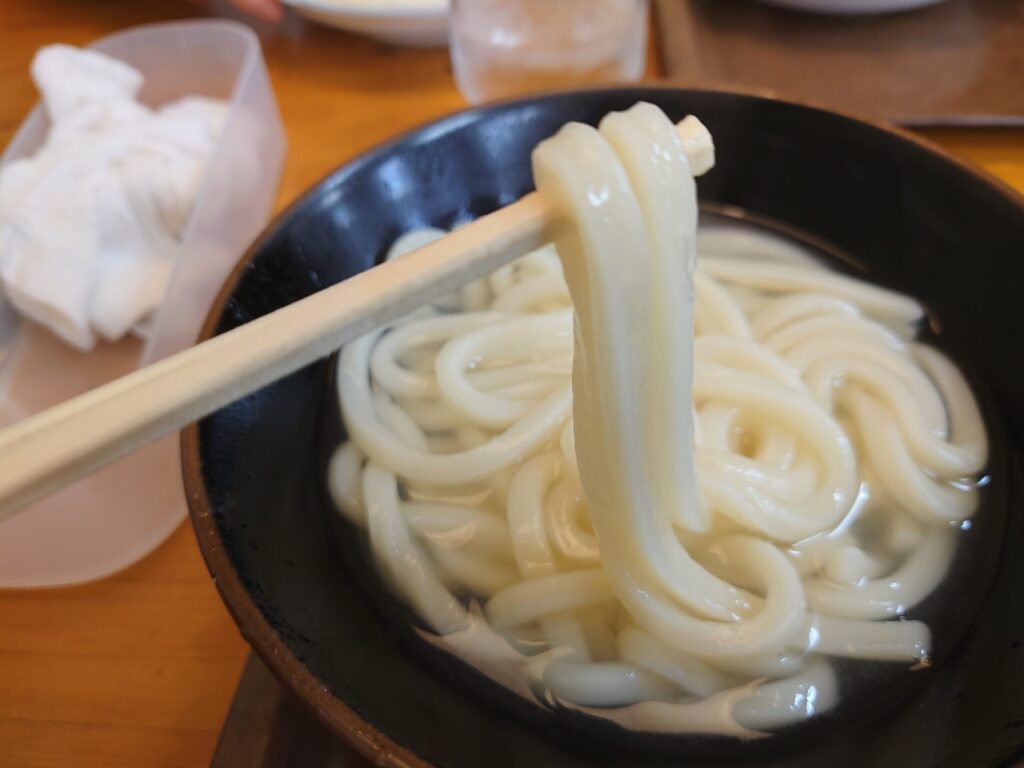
column 917, row 221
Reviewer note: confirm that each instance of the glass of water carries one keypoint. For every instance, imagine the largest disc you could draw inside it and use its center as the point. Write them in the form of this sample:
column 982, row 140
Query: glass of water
column 505, row 47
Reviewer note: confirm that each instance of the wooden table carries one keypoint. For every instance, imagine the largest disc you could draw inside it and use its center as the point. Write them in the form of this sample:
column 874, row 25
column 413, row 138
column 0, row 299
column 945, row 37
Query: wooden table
column 138, row 670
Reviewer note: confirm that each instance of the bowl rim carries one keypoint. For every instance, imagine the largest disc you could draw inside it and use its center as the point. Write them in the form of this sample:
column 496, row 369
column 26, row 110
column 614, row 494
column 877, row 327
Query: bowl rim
column 399, row 11
column 343, row 721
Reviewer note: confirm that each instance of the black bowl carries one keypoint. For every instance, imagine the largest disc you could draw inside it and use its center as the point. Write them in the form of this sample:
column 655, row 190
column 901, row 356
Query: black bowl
column 914, row 218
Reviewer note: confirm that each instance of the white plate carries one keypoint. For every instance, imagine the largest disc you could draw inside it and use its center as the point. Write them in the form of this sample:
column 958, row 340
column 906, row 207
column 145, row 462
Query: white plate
column 402, row 22
column 853, row 7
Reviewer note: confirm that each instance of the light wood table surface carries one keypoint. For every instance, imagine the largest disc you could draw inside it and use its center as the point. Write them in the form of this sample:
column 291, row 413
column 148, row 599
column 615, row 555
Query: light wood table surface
column 138, row 670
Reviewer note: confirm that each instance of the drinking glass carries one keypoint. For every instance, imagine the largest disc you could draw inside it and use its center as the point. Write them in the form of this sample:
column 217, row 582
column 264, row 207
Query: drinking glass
column 505, row 47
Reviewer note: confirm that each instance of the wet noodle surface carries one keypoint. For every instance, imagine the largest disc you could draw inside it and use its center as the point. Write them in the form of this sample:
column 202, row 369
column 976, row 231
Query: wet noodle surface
column 865, row 688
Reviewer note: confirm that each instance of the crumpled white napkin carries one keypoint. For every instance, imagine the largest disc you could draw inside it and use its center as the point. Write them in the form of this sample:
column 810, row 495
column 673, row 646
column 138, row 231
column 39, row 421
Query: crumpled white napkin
column 90, row 224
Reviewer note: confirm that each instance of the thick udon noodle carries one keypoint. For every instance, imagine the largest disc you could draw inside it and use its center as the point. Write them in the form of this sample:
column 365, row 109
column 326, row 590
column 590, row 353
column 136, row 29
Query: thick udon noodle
column 688, row 543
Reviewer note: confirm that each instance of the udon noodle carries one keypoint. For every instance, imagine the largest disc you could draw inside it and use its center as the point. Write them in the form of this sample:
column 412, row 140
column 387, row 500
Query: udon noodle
column 620, row 478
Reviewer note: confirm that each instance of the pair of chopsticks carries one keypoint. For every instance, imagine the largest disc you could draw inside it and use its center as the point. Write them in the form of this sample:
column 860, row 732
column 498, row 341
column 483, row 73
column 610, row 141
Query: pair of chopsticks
column 49, row 450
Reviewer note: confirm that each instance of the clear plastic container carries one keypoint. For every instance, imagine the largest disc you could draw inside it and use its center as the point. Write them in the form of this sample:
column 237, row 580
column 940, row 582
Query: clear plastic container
column 109, row 520
column 502, row 48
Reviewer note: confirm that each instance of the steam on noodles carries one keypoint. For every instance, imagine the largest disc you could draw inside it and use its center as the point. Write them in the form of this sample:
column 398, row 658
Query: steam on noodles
column 614, row 477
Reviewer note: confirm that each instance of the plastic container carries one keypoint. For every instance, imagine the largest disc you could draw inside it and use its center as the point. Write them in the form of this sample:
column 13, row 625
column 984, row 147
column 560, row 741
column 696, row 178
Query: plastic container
column 109, row 520
column 502, row 48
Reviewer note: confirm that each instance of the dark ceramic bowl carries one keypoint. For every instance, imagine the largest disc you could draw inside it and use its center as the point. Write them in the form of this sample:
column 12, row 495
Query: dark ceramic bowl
column 296, row 581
